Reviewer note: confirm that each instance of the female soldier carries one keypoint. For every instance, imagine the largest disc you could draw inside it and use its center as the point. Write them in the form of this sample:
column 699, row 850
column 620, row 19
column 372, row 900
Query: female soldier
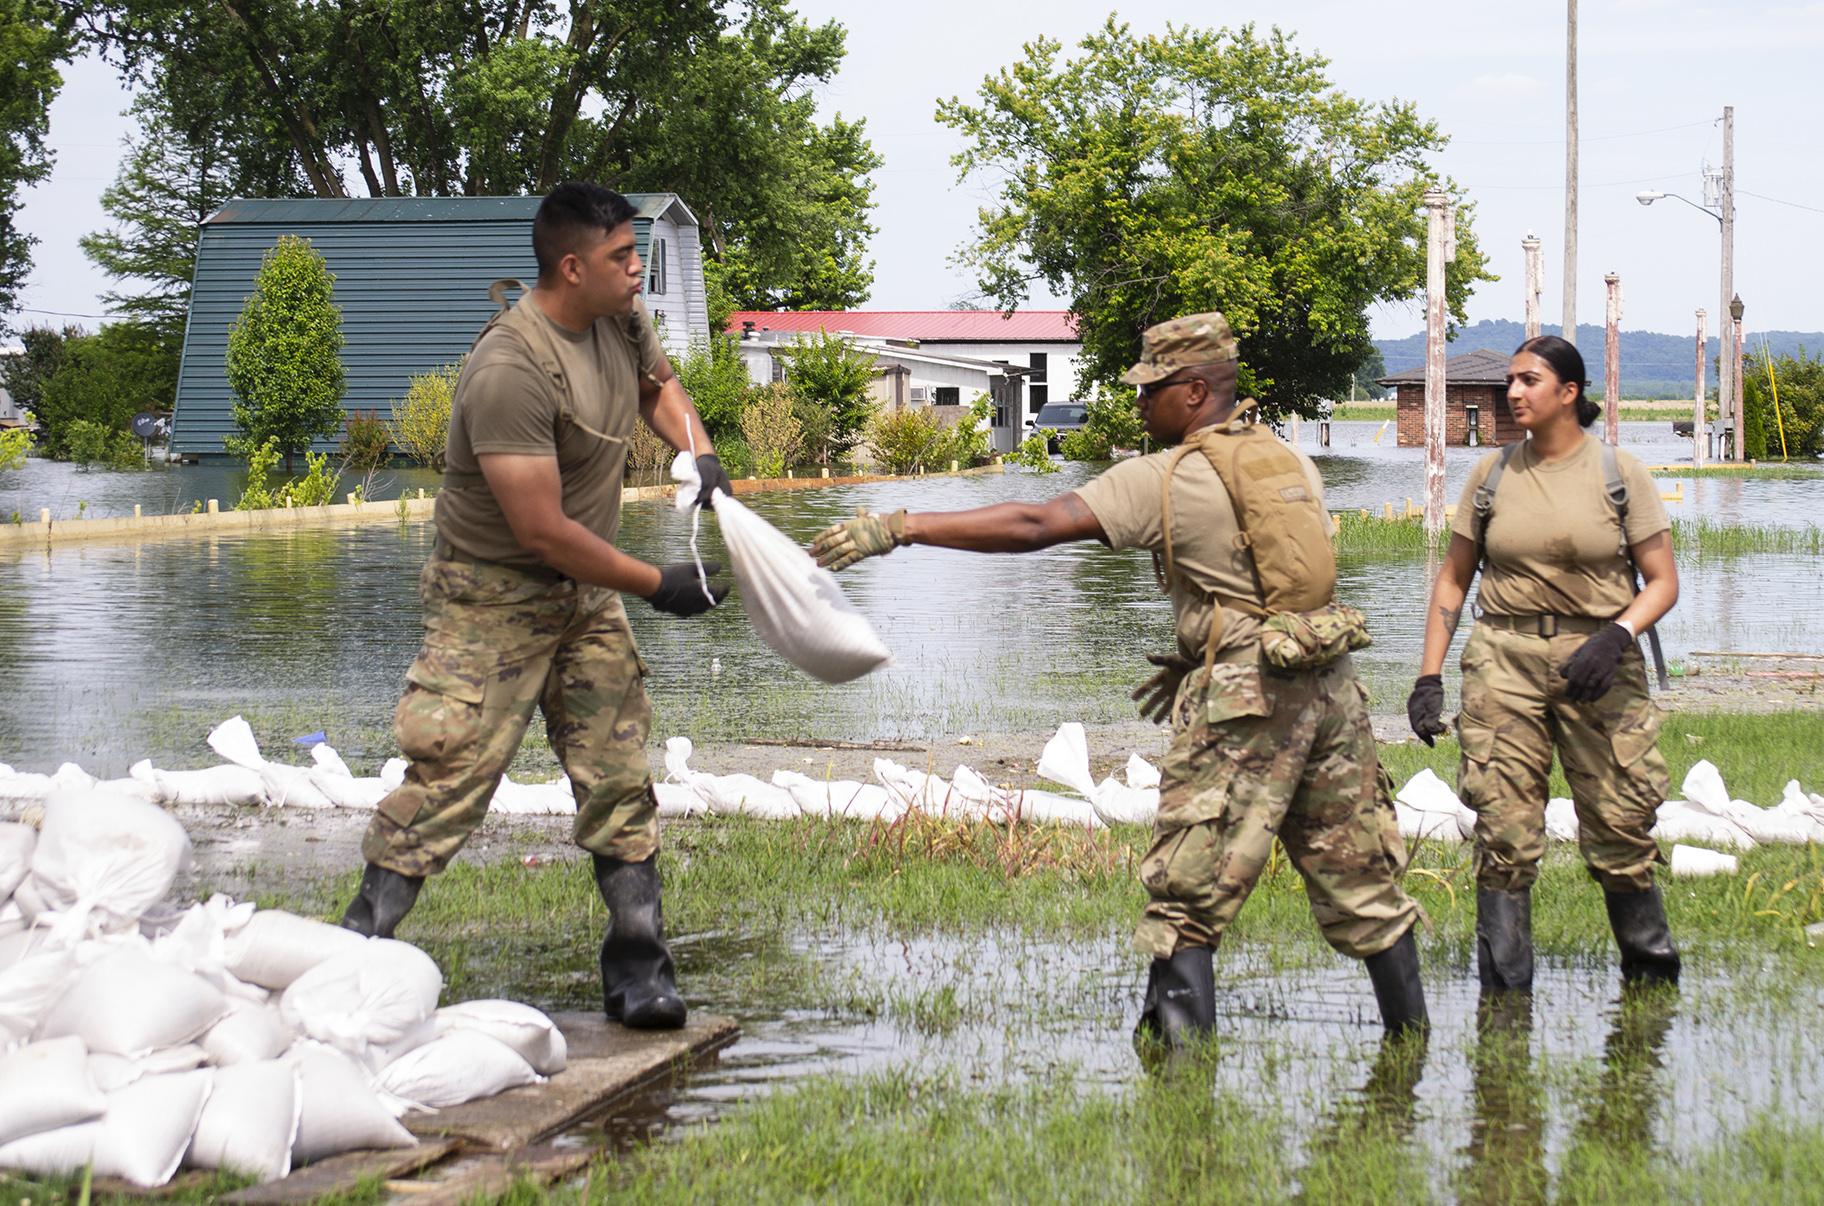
column 1558, row 524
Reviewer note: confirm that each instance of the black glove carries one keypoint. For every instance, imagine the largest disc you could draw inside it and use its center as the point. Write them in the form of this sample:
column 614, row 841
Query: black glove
column 1425, row 708
column 709, row 468
column 1157, row 694
column 680, row 591
column 1591, row 671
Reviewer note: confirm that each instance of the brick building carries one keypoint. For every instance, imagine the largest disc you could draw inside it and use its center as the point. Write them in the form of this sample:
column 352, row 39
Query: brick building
column 1473, row 379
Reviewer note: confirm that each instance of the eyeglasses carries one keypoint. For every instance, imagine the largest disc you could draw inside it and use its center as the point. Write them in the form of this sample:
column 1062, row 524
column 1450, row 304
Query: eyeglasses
column 1154, row 388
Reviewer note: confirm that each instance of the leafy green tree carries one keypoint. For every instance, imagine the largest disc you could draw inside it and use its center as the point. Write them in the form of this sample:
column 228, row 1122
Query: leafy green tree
column 42, row 352
column 833, row 381
column 714, row 376
column 1367, row 378
column 1198, row 170
column 89, row 443
column 103, row 380
column 1110, row 421
column 420, row 423
column 15, row 445
column 906, row 440
column 773, row 433
column 285, row 353
column 172, row 179
column 474, row 97
column 1801, row 380
column 35, row 36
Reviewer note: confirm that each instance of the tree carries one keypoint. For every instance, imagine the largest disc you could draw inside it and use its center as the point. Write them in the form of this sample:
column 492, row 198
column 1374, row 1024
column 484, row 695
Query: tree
column 24, row 375
column 833, row 381
column 1801, row 381
column 34, row 38
column 1367, row 377
column 285, row 353
column 478, row 97
column 101, row 381
column 421, row 420
column 1203, row 170
column 773, row 433
column 715, row 377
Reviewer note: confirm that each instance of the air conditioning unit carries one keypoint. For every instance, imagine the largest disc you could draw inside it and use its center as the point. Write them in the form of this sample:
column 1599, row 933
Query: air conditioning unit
column 921, row 393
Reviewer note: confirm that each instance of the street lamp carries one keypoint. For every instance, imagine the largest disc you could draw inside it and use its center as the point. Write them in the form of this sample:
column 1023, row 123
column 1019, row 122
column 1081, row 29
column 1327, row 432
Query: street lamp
column 1649, row 196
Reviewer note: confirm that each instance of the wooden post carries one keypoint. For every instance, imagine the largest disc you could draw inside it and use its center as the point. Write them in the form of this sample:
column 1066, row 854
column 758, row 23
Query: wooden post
column 1735, row 378
column 1534, row 285
column 1729, row 392
column 1437, row 253
column 1570, row 171
column 1699, row 423
column 1611, row 360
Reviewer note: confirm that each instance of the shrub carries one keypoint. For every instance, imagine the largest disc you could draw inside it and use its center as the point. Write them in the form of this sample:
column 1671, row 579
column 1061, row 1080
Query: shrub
column 737, row 457
column 284, row 357
column 1035, row 452
column 1109, row 422
column 714, row 376
column 89, row 443
column 420, row 426
column 316, row 487
column 14, row 445
column 1084, row 444
column 646, row 452
column 367, row 442
column 833, row 381
column 104, row 379
column 772, row 431
column 970, row 440
column 906, row 440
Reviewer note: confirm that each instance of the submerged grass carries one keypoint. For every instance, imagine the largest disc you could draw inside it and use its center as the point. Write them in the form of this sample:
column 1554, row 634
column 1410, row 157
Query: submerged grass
column 1694, row 539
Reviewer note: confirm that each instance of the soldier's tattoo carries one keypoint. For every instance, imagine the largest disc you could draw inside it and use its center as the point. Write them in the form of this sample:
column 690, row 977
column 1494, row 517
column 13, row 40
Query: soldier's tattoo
column 1450, row 616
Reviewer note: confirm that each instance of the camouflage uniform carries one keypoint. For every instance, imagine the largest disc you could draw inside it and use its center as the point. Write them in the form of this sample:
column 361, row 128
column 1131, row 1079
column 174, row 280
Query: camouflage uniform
column 498, row 642
column 1514, row 712
column 1263, row 754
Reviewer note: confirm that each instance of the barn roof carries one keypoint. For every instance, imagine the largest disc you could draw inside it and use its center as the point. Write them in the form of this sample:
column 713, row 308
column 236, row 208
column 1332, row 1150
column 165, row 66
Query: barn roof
column 1480, row 367
column 421, row 209
column 930, row 326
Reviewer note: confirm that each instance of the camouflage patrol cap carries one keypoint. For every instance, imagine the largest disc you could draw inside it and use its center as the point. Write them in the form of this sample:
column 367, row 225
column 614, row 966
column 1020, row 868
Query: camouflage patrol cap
column 1180, row 344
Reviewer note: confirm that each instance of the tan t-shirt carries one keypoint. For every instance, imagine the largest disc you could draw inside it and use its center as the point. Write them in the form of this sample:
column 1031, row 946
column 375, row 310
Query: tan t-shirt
column 505, row 403
column 1554, row 546
column 1126, row 502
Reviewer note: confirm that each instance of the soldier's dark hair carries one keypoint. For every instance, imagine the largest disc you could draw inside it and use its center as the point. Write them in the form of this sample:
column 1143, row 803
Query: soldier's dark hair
column 569, row 213
column 1563, row 358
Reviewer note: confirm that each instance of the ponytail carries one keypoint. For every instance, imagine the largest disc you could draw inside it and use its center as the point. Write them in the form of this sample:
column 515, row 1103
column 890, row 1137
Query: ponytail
column 1563, row 358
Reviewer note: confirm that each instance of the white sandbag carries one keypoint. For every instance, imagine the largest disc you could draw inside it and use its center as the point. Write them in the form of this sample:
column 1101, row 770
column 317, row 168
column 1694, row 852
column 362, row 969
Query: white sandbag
column 273, row 948
column 838, row 798
column 22, row 787
column 140, row 1138
column 12, row 918
column 463, row 1065
column 1118, row 803
column 47, row 1085
column 1065, row 759
column 1679, row 821
column 30, row 983
column 1768, row 826
column 534, row 799
column 213, row 786
column 248, row 1033
column 16, row 845
column 281, row 786
column 250, row 1121
column 128, row 1003
column 338, row 1110
column 112, row 1072
column 1695, row 861
column 525, row 1029
column 30, row 900
column 130, row 789
column 677, row 800
column 102, row 860
column 727, row 795
column 1141, row 773
column 1425, row 792
column 1055, row 808
column 1561, row 822
column 913, row 789
column 324, row 756
column 365, row 998
column 392, row 775
column 1416, row 824
column 1703, row 787
column 796, row 607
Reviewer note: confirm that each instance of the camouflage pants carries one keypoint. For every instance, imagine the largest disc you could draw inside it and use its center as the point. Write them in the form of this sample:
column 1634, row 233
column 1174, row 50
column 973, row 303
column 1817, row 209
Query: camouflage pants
column 1514, row 714
column 1257, row 756
column 497, row 643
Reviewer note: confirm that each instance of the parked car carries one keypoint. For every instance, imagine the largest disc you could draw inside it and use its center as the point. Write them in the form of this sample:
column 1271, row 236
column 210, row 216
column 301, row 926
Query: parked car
column 1058, row 417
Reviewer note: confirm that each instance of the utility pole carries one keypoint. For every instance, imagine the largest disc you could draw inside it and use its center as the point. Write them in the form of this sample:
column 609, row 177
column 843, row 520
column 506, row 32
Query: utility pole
column 1611, row 360
column 1728, row 373
column 1570, row 172
column 1735, row 374
column 1699, row 424
column 1440, row 249
column 1534, row 286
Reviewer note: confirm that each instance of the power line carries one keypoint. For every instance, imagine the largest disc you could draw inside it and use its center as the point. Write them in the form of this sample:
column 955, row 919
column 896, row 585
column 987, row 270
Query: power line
column 62, row 313
column 1794, row 204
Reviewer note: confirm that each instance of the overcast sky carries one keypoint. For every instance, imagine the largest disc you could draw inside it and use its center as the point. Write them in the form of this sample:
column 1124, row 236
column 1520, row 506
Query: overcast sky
column 1655, row 75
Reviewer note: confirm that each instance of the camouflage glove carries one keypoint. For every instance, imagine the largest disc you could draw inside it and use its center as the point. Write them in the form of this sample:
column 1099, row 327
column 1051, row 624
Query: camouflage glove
column 843, row 544
column 1425, row 708
column 1157, row 694
column 1590, row 672
column 680, row 591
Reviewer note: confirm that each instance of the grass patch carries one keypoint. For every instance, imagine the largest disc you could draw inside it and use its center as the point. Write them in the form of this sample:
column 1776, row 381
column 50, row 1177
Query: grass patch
column 1358, row 535
column 1704, row 538
column 1776, row 471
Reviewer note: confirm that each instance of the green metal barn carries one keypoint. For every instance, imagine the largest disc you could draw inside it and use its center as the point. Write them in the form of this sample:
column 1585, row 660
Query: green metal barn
column 412, row 276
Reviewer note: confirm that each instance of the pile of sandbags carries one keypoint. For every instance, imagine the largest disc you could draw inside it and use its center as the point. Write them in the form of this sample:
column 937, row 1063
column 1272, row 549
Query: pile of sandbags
column 139, row 1039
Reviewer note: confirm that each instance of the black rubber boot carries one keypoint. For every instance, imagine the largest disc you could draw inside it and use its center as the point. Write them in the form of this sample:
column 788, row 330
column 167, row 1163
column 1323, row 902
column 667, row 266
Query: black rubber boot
column 639, row 988
column 1180, row 1003
column 1639, row 922
column 1504, row 939
column 1395, row 975
column 381, row 902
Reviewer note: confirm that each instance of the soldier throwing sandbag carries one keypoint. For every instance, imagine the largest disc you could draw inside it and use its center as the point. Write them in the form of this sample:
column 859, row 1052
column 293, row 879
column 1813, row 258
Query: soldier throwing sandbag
column 522, row 594
column 1270, row 733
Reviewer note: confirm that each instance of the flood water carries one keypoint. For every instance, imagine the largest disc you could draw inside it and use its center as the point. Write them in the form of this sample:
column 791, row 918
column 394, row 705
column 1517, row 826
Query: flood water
column 112, row 652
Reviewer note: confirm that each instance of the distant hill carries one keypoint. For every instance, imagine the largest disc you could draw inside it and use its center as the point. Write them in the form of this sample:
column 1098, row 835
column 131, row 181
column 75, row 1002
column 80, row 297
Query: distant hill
column 1652, row 365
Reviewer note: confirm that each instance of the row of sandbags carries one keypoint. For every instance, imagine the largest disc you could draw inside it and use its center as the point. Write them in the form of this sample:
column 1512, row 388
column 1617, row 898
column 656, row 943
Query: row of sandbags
column 138, row 1039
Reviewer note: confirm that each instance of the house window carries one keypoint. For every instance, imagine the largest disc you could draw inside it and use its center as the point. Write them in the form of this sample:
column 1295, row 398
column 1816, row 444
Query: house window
column 655, row 275
column 778, row 368
column 947, row 395
column 1038, row 393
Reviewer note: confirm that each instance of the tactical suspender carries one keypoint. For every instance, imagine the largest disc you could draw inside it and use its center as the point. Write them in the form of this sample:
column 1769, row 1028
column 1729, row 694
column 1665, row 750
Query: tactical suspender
column 1614, row 488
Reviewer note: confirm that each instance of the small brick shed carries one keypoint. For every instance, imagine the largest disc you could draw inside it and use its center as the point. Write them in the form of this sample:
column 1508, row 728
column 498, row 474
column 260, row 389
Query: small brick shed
column 1478, row 379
